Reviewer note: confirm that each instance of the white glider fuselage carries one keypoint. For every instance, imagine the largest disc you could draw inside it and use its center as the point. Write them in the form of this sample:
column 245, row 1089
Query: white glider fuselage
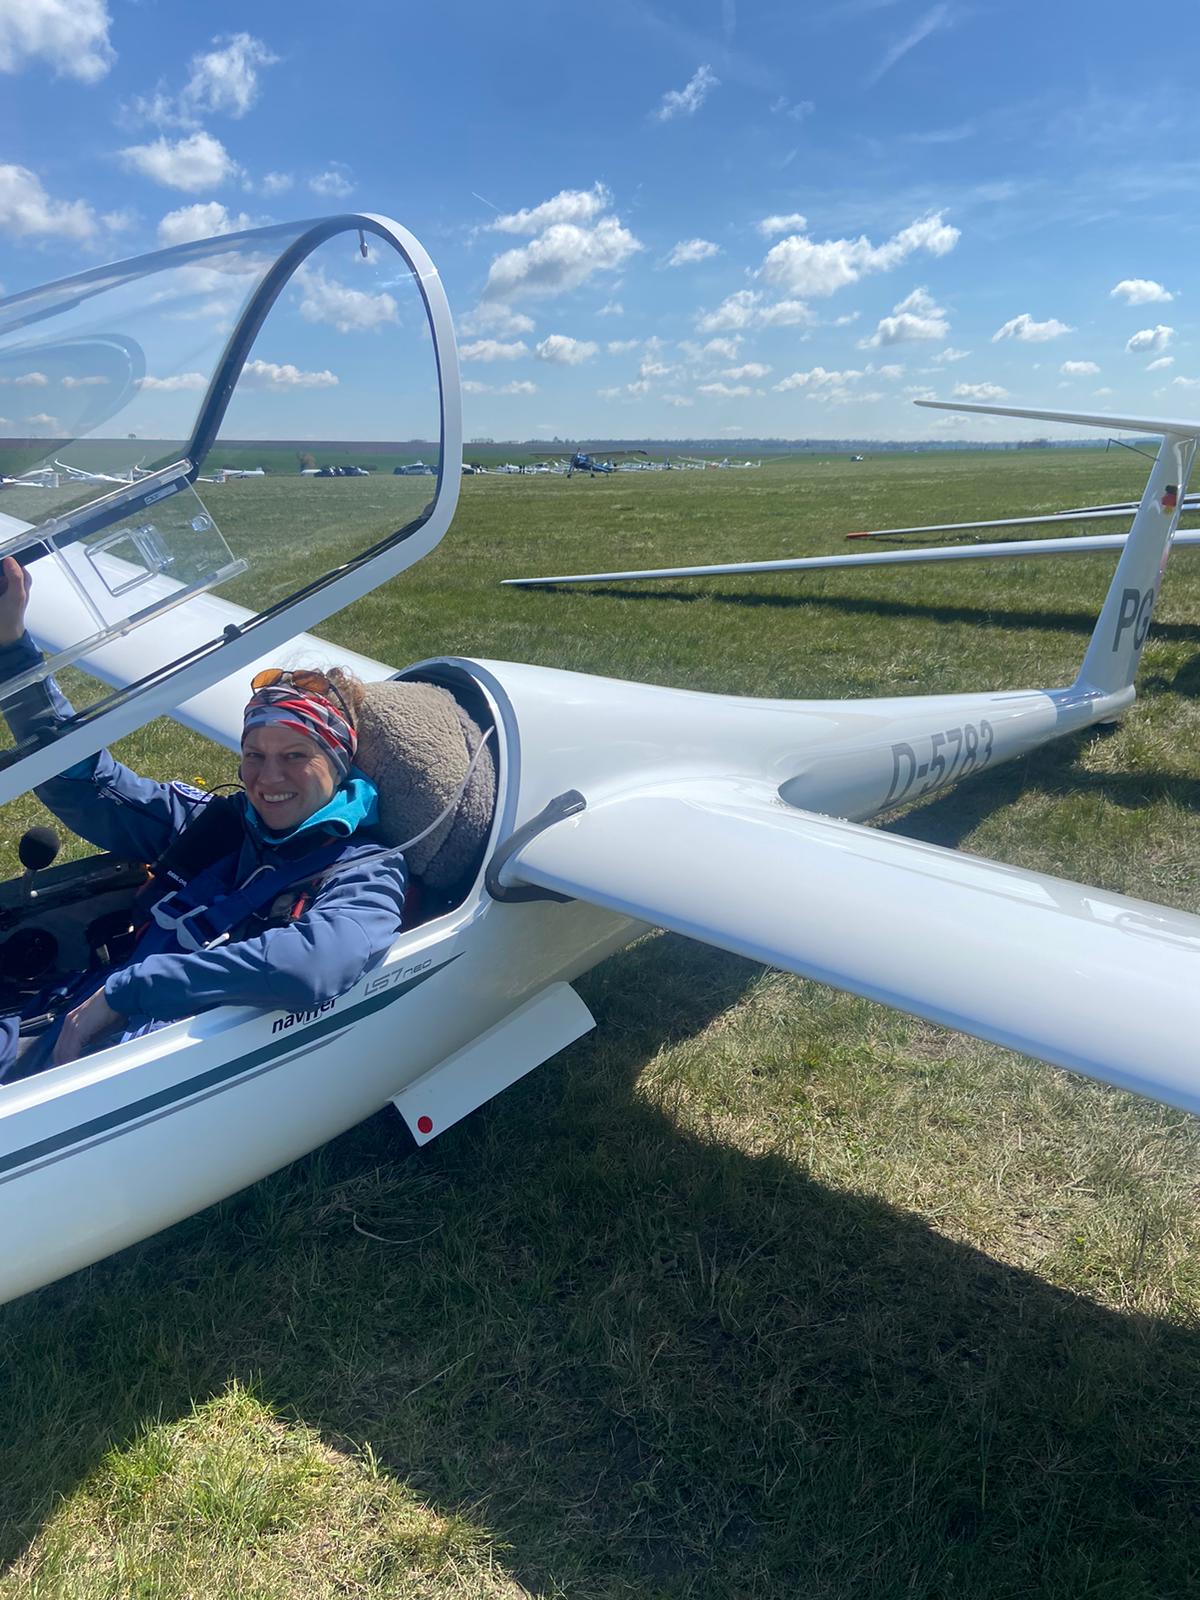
column 107, row 1150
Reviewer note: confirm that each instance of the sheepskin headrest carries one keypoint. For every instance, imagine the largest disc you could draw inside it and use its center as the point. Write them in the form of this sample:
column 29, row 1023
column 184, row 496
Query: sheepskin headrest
column 415, row 742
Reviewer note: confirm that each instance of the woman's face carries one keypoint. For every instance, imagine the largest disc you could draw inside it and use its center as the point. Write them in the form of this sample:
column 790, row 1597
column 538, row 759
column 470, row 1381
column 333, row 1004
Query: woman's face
column 287, row 777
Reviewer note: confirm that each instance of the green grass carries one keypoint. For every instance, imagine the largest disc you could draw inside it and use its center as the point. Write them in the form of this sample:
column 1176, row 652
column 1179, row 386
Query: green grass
column 758, row 1291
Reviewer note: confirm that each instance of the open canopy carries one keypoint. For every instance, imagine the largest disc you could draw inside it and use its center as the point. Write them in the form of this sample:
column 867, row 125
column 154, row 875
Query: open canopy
column 228, row 417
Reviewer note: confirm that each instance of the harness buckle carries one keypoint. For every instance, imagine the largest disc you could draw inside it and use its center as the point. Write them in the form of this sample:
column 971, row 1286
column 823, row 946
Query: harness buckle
column 178, row 924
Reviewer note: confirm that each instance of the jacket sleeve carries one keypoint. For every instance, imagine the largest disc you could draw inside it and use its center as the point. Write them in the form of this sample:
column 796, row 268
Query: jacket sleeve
column 350, row 925
column 104, row 802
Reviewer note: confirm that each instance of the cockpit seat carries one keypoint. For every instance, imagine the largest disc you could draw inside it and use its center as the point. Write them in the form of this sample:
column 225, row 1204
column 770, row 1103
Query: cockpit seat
column 417, row 742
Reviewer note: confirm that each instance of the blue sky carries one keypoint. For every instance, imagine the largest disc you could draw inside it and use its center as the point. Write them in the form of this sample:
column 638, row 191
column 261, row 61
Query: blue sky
column 731, row 220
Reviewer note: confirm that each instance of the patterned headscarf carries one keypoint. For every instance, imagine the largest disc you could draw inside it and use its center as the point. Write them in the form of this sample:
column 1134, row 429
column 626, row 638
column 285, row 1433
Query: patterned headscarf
column 282, row 705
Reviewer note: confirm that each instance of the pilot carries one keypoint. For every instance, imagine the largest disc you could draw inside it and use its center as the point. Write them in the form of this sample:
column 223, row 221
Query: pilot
column 272, row 897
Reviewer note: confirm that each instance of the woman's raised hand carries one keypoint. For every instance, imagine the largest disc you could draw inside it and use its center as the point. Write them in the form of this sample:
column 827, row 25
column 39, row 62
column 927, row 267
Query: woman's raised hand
column 15, row 584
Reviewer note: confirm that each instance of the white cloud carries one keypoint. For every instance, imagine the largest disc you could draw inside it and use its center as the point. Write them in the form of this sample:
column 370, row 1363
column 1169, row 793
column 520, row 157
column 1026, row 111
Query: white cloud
column 821, row 267
column 793, row 222
column 689, row 250
column 201, row 221
column 568, row 205
column 845, row 321
column 334, row 183
column 614, row 308
column 687, row 101
column 1028, row 331
column 472, row 386
column 820, row 382
column 752, row 369
column 519, row 386
column 72, row 35
column 1140, row 291
column 161, row 109
column 677, row 400
column 563, row 257
column 1161, row 364
column 177, row 382
column 735, row 311
column 493, row 350
column 1186, row 383
column 1101, row 394
column 95, row 382
column 745, row 309
column 784, row 314
column 272, row 375
column 620, row 347
column 727, row 349
column 724, row 391
column 564, row 351
column 348, row 310
column 981, row 392
column 31, row 380
column 197, row 162
column 654, row 369
column 276, row 183
column 949, row 354
column 28, row 212
column 43, row 423
column 495, row 318
column 917, row 316
column 797, row 110
column 1156, row 338
column 920, row 391
column 892, row 370
column 1079, row 369
column 226, row 79
column 939, row 16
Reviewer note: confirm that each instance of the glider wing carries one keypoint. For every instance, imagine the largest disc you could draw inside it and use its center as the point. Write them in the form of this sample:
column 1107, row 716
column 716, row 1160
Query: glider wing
column 1088, row 544
column 1079, row 977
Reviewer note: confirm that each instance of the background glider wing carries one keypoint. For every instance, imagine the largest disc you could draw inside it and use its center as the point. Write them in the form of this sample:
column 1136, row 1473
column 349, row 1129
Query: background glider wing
column 1087, row 544
column 1092, row 514
column 1085, row 979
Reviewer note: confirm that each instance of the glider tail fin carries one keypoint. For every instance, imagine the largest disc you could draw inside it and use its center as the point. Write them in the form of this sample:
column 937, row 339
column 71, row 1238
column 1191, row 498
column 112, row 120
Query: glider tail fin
column 1115, row 649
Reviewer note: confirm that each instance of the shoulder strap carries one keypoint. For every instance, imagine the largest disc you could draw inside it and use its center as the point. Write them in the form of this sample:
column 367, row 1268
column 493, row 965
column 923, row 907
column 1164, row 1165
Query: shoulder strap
column 197, row 916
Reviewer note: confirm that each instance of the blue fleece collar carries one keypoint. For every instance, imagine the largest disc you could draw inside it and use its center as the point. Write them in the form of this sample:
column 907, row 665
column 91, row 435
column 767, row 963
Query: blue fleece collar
column 354, row 805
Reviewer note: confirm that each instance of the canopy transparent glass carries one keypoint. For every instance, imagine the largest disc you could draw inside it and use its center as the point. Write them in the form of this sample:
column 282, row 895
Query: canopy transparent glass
column 245, row 415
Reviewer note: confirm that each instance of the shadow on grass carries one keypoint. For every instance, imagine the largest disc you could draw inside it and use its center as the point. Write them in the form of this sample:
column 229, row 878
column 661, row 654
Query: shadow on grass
column 647, row 1362
column 1081, row 622
column 1185, row 682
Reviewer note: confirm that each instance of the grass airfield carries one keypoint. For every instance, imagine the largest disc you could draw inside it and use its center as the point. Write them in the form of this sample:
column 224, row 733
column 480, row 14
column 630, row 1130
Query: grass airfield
column 758, row 1290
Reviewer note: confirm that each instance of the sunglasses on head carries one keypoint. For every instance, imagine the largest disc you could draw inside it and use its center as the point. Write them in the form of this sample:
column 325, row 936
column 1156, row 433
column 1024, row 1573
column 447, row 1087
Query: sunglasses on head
column 307, row 680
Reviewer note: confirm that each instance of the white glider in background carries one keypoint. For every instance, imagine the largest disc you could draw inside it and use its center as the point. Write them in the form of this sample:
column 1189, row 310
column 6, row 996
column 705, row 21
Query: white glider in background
column 1009, row 549
column 617, row 805
column 1084, row 514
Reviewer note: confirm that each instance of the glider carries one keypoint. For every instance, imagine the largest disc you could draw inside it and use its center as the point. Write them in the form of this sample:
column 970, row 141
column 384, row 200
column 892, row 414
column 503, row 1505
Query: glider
column 616, row 805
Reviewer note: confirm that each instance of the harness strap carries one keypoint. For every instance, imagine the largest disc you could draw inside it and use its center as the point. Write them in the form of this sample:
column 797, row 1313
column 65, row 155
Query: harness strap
column 199, row 915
